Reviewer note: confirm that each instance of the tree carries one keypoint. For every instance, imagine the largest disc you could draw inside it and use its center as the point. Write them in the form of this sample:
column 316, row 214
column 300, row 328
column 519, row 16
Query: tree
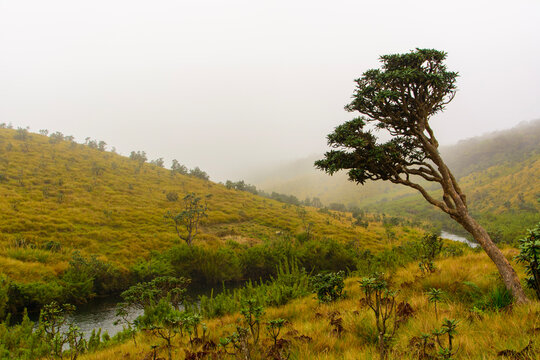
column 382, row 301
column 198, row 173
column 530, row 256
column 194, row 210
column 400, row 98
column 176, row 167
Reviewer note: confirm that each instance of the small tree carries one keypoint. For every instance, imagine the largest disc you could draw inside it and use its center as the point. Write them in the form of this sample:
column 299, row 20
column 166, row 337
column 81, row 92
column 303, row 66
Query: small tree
column 400, row 99
column 446, row 349
column 159, row 162
column 194, row 209
column 51, row 320
column 382, row 301
column 198, row 173
column 435, row 296
column 176, row 167
column 252, row 313
column 529, row 254
column 306, row 223
column 163, row 321
column 430, row 247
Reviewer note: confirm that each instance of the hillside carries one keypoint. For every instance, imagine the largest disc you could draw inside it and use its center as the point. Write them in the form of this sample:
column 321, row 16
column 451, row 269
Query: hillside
column 499, row 172
column 58, row 196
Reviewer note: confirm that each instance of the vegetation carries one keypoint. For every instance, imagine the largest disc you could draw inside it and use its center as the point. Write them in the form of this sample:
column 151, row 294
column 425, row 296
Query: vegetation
column 194, row 210
column 401, row 98
column 489, row 169
column 100, row 223
column 530, row 255
column 305, row 327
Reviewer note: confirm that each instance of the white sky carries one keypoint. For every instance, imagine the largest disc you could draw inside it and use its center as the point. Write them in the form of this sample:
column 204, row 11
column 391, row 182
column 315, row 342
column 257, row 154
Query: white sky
column 231, row 86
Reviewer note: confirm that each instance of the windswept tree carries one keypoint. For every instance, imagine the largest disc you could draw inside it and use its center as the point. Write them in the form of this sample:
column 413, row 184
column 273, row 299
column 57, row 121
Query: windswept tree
column 194, row 209
column 400, row 98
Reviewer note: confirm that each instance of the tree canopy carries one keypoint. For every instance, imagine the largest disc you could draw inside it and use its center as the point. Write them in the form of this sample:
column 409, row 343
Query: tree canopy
column 400, row 98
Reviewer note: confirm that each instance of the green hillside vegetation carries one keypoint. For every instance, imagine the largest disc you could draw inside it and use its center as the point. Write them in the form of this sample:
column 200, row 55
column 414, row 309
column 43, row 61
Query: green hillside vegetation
column 78, row 220
column 498, row 172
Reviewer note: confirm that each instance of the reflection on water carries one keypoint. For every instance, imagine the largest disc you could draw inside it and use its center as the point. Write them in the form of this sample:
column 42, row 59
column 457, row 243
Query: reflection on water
column 454, row 237
column 101, row 312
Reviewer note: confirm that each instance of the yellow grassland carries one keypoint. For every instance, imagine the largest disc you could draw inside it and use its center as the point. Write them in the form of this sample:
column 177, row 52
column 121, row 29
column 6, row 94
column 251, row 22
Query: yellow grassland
column 479, row 337
column 101, row 203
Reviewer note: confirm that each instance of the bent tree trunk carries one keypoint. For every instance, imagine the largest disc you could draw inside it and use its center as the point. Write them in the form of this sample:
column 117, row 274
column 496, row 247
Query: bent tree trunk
column 509, row 276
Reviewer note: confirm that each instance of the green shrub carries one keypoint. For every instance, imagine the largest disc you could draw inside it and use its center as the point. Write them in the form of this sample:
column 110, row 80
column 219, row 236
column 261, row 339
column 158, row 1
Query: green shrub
column 529, row 254
column 328, row 287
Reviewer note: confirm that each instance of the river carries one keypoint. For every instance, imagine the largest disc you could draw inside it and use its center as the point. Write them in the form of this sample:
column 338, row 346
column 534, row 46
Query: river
column 454, row 237
column 101, row 313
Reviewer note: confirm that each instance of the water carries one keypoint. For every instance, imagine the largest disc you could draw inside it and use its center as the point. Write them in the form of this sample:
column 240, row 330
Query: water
column 101, row 312
column 454, row 237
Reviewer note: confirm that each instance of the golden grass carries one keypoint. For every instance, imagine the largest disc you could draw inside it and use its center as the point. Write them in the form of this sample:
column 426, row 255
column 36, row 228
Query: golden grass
column 477, row 338
column 51, row 192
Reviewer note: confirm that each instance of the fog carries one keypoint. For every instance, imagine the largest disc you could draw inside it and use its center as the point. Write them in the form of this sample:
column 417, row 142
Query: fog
column 234, row 86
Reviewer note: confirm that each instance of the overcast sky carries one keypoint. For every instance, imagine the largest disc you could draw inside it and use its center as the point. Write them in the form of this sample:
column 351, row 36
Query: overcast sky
column 234, row 85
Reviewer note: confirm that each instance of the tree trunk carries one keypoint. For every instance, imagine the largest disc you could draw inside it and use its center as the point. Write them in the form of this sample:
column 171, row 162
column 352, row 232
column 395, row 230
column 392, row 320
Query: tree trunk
column 509, row 276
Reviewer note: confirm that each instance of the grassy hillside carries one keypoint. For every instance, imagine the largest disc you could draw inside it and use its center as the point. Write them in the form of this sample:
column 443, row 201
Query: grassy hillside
column 498, row 171
column 487, row 324
column 57, row 196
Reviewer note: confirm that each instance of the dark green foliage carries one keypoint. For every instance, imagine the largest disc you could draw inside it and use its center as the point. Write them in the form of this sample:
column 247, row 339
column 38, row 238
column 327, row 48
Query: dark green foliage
column 194, row 209
column 498, row 298
column 86, row 277
column 430, row 247
column 51, row 320
column 290, row 282
column 382, row 300
column 529, row 254
column 329, row 286
column 435, row 296
column 150, row 293
column 158, row 162
column 274, row 328
column 380, row 95
column 448, row 330
column 252, row 312
column 163, row 320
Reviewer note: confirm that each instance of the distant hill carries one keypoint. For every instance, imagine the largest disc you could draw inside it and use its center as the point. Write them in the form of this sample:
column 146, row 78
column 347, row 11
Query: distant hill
column 499, row 172
column 57, row 196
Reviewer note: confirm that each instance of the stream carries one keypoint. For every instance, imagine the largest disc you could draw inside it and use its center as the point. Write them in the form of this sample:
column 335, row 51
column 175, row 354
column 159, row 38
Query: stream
column 454, row 237
column 101, row 312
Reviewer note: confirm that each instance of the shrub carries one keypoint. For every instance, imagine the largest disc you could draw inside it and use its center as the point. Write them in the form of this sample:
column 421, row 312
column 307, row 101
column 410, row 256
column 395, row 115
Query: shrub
column 430, row 247
column 382, row 301
column 529, row 254
column 328, row 287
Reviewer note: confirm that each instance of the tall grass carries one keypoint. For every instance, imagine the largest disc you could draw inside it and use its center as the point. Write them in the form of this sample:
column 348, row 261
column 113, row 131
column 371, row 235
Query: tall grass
column 290, row 282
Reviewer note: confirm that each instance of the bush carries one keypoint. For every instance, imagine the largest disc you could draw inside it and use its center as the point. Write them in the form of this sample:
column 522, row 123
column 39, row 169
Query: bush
column 328, row 287
column 529, row 254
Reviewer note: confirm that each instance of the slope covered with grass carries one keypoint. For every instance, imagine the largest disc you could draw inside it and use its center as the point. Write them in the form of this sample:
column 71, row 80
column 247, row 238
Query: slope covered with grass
column 58, row 197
